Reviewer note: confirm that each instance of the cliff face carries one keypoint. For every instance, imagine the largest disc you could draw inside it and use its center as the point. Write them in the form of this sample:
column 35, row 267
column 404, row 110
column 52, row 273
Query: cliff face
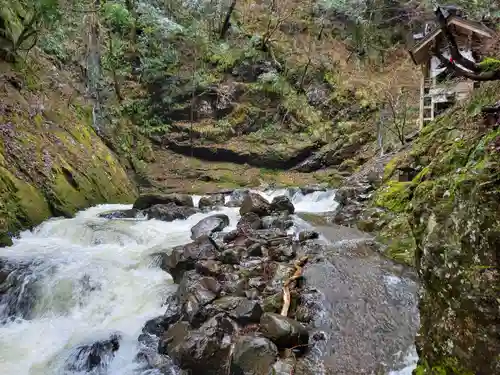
column 51, row 161
column 441, row 202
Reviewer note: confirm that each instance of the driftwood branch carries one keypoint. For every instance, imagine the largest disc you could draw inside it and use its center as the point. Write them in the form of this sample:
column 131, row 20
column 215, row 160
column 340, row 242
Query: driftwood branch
column 286, row 286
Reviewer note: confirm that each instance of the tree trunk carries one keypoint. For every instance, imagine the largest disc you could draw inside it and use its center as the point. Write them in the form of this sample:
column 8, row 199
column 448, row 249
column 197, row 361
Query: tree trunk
column 227, row 20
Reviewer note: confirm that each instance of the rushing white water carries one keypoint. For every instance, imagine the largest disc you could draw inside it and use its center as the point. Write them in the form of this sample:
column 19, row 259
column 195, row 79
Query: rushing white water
column 315, row 202
column 92, row 277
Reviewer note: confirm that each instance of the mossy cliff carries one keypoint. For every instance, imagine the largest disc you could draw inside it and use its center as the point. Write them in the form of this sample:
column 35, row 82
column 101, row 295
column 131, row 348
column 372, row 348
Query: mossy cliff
column 441, row 211
column 51, row 161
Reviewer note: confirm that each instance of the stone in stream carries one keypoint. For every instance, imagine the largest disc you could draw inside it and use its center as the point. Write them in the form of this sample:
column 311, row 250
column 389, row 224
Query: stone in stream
column 308, row 235
column 209, row 225
column 283, row 331
column 255, row 203
column 282, row 222
column 196, row 291
column 169, row 212
column 148, row 200
column 253, row 355
column 86, row 358
column 120, row 214
column 211, row 201
column 205, row 350
column 282, row 204
column 184, row 257
column 249, row 220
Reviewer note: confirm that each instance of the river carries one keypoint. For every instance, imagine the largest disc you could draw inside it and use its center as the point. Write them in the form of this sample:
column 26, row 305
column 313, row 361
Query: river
column 80, row 280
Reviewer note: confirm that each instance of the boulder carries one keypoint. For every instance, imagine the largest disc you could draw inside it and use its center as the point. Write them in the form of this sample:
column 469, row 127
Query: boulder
column 169, row 212
column 209, row 225
column 255, row 203
column 120, row 214
column 250, row 220
column 205, row 350
column 253, row 355
column 308, row 235
column 148, row 200
column 86, row 358
column 277, row 222
column 209, row 267
column 282, row 204
column 283, row 331
column 196, row 291
column 183, row 258
column 231, row 256
column 240, row 309
column 211, row 201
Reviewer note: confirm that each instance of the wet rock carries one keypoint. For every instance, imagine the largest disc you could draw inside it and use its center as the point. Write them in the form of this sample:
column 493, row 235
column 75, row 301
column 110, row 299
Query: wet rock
column 18, row 288
column 313, row 188
column 240, row 309
column 283, row 331
column 120, row 214
column 250, row 220
column 169, row 212
column 253, row 355
column 252, row 294
column 239, row 195
column 282, row 253
column 255, row 203
column 282, row 204
column 148, row 200
column 277, row 222
column 273, row 303
column 255, row 250
column 97, row 355
column 205, row 350
column 308, row 235
column 196, row 291
column 231, row 256
column 157, row 326
column 209, row 225
column 211, row 201
column 209, row 267
column 184, row 257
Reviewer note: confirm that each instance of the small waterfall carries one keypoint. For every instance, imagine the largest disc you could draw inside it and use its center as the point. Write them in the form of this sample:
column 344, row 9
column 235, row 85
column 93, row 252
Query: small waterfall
column 80, row 290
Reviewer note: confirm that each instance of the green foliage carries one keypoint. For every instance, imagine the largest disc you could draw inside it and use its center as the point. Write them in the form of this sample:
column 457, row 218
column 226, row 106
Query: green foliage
column 53, row 44
column 21, row 23
column 490, row 64
column 117, row 17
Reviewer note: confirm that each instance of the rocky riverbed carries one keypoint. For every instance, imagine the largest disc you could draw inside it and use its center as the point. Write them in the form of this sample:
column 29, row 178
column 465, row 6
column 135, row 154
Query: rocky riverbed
column 350, row 311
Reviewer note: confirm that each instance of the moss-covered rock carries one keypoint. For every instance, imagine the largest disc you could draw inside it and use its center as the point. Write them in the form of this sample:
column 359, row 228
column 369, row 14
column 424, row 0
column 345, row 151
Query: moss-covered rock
column 447, row 221
column 51, row 160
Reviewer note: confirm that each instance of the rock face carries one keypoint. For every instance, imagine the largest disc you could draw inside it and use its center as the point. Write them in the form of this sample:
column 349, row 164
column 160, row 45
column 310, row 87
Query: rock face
column 66, row 169
column 438, row 206
column 209, row 225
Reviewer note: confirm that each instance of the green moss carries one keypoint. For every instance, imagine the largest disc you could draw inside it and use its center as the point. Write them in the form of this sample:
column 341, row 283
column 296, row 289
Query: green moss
column 390, row 168
column 394, row 196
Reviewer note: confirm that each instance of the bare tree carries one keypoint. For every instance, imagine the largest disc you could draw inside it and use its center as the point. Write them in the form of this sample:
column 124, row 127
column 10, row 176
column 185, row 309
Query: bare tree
column 397, row 120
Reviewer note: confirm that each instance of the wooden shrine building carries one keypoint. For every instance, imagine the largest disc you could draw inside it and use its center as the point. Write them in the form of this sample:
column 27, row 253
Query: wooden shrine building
column 439, row 90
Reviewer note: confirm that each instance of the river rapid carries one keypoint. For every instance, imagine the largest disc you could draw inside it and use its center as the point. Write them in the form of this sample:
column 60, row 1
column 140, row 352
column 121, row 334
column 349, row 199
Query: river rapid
column 77, row 281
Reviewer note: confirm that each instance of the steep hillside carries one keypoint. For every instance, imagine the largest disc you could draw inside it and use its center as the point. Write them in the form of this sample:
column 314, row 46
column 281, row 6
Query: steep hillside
column 440, row 211
column 51, row 161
